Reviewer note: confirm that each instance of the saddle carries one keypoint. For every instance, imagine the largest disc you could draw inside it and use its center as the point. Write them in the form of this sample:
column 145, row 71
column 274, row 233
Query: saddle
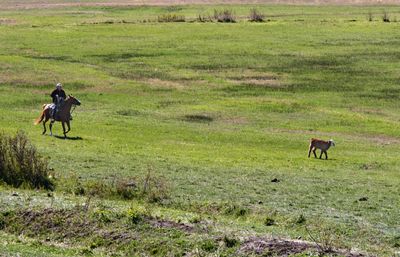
column 54, row 109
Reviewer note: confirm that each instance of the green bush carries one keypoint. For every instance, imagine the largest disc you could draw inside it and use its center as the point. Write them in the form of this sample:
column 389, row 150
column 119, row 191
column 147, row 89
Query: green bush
column 136, row 214
column 209, row 245
column 269, row 221
column 21, row 164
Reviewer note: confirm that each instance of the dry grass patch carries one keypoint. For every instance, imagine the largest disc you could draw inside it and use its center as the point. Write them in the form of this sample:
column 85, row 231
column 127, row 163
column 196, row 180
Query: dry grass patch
column 5, row 21
column 259, row 81
column 158, row 83
column 236, row 120
column 256, row 79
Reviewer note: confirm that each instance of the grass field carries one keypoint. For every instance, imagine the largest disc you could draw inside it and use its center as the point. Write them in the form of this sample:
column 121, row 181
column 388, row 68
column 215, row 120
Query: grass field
column 217, row 110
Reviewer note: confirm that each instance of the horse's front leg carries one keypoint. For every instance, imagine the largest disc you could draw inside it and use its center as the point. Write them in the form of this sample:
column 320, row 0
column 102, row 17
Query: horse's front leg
column 51, row 127
column 68, row 126
column 63, row 126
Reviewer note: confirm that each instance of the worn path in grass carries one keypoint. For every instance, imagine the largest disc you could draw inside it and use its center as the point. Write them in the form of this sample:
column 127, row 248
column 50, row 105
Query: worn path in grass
column 223, row 111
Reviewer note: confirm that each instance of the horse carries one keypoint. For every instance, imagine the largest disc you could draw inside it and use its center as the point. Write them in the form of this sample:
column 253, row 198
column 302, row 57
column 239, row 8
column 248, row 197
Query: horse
column 63, row 115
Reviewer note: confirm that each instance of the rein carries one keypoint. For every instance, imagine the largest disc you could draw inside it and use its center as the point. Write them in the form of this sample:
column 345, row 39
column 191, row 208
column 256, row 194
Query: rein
column 73, row 108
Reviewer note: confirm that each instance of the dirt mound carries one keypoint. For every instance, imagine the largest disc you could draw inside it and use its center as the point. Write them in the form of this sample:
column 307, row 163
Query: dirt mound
column 280, row 247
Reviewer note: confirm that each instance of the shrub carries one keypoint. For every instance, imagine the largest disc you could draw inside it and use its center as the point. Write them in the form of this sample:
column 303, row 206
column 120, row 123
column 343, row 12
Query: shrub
column 301, row 219
column 126, row 189
column 238, row 211
column 204, row 18
column 154, row 188
column 256, row 16
column 103, row 216
column 395, row 241
column 171, row 18
column 385, row 17
column 269, row 221
column 136, row 214
column 195, row 219
column 209, row 245
column 230, row 241
column 370, row 17
column 21, row 164
column 224, row 15
column 98, row 188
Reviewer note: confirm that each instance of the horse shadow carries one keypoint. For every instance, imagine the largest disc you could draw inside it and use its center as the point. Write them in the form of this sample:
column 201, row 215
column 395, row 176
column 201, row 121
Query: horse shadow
column 68, row 138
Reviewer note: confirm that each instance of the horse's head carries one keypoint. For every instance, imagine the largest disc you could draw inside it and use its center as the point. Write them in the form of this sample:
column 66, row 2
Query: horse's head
column 74, row 100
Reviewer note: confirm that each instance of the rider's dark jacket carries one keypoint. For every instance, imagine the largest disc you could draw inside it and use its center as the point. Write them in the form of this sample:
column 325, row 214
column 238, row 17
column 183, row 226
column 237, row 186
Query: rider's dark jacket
column 60, row 93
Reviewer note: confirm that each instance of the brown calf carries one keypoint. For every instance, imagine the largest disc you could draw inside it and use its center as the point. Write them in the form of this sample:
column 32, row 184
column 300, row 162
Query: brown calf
column 320, row 144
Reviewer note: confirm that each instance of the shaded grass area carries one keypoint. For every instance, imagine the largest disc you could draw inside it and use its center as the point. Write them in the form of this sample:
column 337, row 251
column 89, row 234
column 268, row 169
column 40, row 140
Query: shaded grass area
column 221, row 110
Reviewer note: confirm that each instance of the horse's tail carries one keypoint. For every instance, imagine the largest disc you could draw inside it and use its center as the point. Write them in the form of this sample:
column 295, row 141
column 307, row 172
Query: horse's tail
column 41, row 117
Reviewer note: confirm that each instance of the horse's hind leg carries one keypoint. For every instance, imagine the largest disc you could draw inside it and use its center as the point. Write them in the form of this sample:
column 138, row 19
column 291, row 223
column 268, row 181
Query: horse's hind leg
column 44, row 126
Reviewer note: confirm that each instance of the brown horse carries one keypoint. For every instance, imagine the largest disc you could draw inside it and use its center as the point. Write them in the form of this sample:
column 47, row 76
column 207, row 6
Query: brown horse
column 63, row 115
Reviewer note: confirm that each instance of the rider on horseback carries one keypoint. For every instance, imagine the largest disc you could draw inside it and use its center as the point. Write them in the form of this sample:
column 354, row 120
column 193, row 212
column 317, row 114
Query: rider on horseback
column 58, row 96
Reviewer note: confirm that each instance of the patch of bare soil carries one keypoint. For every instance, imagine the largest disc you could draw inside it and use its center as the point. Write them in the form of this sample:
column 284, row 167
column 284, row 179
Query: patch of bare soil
column 32, row 4
column 279, row 247
column 260, row 81
column 5, row 21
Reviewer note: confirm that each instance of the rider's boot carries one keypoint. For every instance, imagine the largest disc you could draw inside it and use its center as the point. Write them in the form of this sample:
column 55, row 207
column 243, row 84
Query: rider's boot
column 53, row 114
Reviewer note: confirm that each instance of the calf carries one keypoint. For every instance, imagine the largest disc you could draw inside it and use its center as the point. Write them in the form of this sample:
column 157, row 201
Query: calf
column 320, row 144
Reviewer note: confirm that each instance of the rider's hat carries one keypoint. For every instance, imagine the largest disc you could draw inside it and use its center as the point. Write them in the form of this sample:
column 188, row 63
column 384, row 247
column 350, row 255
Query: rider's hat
column 59, row 85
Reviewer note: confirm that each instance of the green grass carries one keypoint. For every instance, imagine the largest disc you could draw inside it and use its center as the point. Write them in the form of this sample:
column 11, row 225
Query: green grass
column 264, row 88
